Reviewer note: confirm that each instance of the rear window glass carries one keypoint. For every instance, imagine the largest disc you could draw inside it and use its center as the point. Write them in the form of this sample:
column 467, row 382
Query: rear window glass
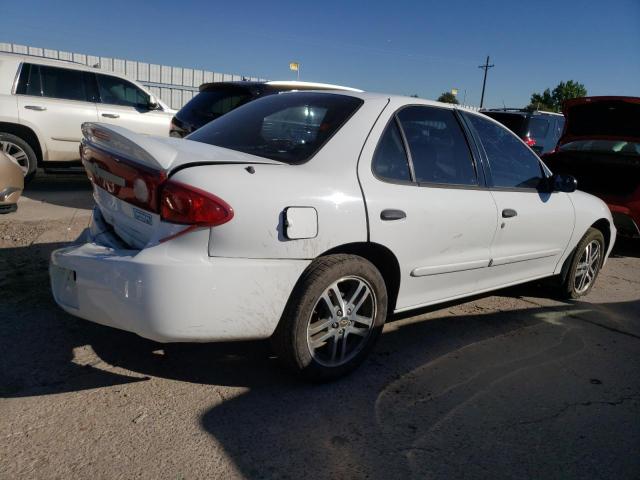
column 538, row 128
column 513, row 121
column 289, row 127
column 209, row 105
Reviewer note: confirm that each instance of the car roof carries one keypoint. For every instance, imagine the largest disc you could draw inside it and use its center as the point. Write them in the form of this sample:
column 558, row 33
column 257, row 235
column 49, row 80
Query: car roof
column 17, row 57
column 280, row 85
column 396, row 99
column 518, row 111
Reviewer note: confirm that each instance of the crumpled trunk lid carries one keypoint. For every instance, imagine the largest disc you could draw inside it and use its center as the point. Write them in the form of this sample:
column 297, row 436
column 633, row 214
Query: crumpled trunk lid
column 598, row 173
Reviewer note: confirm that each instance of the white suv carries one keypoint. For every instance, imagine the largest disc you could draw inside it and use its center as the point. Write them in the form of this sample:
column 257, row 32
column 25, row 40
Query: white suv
column 43, row 103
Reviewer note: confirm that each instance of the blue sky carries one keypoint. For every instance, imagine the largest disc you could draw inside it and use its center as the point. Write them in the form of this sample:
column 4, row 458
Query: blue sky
column 422, row 47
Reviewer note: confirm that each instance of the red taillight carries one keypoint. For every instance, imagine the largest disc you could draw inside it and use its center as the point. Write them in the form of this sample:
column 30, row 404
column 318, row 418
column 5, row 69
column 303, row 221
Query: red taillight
column 186, row 205
column 529, row 141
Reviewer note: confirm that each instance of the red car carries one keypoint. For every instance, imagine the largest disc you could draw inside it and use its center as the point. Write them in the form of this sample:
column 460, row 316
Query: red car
column 600, row 146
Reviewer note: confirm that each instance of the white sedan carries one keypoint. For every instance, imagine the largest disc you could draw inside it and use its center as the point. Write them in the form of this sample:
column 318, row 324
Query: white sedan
column 309, row 217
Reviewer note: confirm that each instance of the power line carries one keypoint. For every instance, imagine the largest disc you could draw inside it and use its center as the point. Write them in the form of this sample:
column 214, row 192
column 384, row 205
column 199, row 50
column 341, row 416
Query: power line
column 485, row 67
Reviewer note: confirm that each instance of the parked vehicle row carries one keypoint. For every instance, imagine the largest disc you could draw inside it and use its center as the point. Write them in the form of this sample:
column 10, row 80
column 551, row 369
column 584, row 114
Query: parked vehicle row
column 539, row 129
column 43, row 104
column 600, row 146
column 218, row 98
column 308, row 217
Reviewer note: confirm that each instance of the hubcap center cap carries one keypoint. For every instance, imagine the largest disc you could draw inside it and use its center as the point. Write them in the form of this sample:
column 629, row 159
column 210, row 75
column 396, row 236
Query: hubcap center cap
column 344, row 322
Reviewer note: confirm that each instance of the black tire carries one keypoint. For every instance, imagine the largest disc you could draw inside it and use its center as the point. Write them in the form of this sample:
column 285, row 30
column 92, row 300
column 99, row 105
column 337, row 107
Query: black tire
column 568, row 288
column 290, row 341
column 31, row 162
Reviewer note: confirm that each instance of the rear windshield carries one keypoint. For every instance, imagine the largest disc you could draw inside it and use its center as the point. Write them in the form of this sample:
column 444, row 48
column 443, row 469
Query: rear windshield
column 211, row 104
column 513, row 121
column 538, row 128
column 288, row 127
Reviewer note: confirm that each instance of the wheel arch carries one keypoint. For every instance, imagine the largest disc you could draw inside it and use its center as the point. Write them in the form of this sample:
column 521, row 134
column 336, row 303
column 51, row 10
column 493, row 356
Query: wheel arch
column 27, row 134
column 605, row 227
column 382, row 258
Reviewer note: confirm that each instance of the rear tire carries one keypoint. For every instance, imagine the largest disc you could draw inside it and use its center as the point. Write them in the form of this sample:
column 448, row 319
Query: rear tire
column 323, row 337
column 22, row 152
column 585, row 265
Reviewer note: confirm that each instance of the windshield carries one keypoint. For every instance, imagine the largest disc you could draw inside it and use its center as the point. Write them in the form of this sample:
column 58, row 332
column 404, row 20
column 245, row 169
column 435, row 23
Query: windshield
column 602, row 146
column 288, row 127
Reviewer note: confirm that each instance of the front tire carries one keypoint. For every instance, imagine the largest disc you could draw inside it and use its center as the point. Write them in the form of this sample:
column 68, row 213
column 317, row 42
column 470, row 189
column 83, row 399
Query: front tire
column 333, row 318
column 585, row 265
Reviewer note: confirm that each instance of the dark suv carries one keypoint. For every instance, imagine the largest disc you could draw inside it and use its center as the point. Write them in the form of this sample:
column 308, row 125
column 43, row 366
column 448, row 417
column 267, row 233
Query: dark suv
column 540, row 130
column 216, row 99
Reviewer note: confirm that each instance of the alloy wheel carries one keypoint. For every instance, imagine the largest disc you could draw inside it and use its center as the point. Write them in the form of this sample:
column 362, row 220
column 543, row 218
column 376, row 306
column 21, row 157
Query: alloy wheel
column 17, row 153
column 341, row 321
column 587, row 267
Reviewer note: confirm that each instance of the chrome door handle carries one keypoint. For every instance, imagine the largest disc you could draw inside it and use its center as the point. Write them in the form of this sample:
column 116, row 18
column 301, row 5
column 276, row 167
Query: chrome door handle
column 111, row 115
column 508, row 213
column 37, row 108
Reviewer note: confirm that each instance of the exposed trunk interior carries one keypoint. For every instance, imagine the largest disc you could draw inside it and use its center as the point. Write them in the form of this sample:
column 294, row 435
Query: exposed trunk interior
column 599, row 173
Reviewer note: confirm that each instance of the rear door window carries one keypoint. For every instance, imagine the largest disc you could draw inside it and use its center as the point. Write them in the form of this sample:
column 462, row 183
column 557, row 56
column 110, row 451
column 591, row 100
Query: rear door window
column 439, row 150
column 64, row 83
column 117, row 91
column 390, row 160
column 29, row 82
column 54, row 82
column 512, row 164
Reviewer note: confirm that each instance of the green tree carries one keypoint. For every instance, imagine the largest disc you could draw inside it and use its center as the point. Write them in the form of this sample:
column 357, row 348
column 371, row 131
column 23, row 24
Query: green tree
column 552, row 100
column 448, row 97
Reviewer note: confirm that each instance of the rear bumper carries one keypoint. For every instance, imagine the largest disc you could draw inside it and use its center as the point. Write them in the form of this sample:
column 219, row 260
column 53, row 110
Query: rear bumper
column 171, row 293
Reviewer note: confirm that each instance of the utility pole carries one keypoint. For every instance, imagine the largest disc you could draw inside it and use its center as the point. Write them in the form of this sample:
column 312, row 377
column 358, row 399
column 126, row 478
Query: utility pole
column 485, row 67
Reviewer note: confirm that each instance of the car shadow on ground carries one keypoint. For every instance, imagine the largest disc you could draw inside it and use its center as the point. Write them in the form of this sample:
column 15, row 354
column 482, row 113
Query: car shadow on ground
column 65, row 190
column 39, row 340
column 282, row 427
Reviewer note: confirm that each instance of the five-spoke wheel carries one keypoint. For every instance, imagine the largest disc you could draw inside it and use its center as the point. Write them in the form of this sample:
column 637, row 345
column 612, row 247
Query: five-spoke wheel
column 341, row 321
column 333, row 318
column 584, row 265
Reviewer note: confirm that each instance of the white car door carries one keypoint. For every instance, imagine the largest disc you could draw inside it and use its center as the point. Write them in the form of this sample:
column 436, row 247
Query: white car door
column 535, row 225
column 57, row 101
column 124, row 104
column 426, row 203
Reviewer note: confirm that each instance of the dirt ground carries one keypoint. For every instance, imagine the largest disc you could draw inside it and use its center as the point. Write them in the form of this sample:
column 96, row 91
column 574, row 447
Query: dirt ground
column 510, row 385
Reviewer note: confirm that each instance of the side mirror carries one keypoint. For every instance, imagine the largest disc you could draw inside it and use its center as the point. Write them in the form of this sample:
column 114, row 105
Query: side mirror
column 564, row 183
column 153, row 104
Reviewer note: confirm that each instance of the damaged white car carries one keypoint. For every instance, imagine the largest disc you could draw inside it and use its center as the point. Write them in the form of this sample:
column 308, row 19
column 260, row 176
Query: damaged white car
column 309, row 217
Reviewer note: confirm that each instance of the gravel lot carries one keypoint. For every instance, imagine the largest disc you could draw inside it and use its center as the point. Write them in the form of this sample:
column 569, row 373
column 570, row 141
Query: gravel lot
column 511, row 385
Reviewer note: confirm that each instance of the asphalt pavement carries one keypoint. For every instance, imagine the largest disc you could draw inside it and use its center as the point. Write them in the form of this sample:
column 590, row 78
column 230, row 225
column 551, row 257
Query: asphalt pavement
column 508, row 385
